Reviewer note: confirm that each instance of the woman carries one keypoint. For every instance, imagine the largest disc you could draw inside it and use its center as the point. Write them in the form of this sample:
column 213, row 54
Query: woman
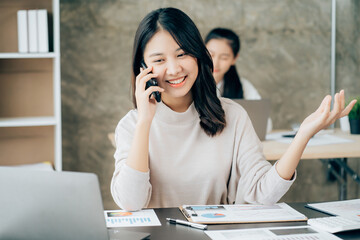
column 224, row 46
column 193, row 148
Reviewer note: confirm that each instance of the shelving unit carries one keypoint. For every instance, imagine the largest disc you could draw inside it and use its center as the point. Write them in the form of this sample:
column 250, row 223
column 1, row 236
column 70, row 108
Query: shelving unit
column 30, row 95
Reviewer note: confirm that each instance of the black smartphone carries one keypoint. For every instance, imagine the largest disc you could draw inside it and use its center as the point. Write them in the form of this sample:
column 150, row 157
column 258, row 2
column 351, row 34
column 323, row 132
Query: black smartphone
column 152, row 82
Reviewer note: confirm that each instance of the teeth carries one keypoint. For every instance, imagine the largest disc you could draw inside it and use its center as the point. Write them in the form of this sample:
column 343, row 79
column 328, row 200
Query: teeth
column 177, row 81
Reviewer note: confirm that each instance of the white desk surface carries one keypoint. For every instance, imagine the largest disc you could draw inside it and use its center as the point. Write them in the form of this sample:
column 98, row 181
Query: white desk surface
column 273, row 149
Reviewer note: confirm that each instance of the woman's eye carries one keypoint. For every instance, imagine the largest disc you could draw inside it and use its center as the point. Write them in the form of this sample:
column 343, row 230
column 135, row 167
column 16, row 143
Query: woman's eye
column 181, row 54
column 158, row 60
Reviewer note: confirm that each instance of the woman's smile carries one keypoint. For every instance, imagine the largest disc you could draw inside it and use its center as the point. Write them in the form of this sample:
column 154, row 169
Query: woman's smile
column 177, row 82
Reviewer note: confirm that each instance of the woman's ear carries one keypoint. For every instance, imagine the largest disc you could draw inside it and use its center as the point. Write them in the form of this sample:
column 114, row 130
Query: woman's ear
column 235, row 59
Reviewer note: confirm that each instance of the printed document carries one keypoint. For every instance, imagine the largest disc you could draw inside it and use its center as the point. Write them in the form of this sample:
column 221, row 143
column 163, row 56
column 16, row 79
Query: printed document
column 348, row 208
column 122, row 218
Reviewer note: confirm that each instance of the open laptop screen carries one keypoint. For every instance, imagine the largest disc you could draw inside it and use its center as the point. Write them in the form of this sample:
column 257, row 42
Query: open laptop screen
column 50, row 205
column 259, row 112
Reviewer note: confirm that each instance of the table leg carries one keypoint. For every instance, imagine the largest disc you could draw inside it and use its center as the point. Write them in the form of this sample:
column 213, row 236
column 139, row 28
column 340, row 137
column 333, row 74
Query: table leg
column 343, row 185
column 337, row 171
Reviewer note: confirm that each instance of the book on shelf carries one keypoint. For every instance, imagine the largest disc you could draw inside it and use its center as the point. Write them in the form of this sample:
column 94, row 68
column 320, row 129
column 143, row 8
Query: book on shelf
column 43, row 35
column 33, row 31
column 22, row 31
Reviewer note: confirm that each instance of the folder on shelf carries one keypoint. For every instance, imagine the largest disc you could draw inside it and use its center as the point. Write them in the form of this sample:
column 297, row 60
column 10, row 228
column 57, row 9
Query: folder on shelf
column 43, row 35
column 241, row 213
column 33, row 31
column 22, row 31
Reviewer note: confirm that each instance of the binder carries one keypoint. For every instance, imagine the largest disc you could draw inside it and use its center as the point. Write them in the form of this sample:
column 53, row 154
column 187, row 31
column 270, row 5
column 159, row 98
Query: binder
column 241, row 213
column 43, row 33
column 33, row 31
column 22, row 31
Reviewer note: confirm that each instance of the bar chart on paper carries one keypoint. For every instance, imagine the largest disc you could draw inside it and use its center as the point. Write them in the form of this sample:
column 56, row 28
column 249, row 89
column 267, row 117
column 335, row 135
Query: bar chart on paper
column 122, row 218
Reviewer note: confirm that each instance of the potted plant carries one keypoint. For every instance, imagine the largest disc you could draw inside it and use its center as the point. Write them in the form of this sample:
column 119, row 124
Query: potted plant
column 354, row 118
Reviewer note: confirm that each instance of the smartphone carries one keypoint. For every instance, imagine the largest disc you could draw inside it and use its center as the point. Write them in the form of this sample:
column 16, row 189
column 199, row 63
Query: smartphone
column 152, row 82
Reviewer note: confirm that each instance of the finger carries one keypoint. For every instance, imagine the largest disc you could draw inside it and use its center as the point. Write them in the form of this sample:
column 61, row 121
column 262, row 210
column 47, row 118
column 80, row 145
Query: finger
column 348, row 108
column 326, row 109
column 335, row 112
column 326, row 101
column 336, row 108
column 152, row 89
column 142, row 82
column 142, row 73
column 342, row 100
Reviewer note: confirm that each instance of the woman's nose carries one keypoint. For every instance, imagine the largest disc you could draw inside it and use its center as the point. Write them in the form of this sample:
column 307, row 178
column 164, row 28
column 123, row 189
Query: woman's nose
column 173, row 67
column 215, row 63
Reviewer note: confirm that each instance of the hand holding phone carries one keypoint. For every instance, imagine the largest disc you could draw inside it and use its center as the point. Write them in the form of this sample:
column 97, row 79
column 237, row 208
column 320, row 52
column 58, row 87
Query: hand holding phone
column 151, row 82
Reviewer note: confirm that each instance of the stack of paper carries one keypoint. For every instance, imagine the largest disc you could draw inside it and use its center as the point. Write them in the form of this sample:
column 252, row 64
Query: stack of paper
column 272, row 233
column 348, row 209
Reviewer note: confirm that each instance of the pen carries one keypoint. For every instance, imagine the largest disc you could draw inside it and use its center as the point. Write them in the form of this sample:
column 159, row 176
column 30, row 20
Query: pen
column 189, row 224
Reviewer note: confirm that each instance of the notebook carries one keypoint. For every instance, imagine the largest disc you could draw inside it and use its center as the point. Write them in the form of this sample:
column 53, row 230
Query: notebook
column 259, row 112
column 37, row 204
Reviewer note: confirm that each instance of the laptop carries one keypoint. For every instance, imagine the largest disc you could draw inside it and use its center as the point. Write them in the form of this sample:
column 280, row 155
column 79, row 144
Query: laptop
column 37, row 204
column 259, row 112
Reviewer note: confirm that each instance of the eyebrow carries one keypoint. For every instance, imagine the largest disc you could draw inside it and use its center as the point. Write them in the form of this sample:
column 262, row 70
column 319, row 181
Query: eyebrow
column 160, row 54
column 221, row 54
column 225, row 54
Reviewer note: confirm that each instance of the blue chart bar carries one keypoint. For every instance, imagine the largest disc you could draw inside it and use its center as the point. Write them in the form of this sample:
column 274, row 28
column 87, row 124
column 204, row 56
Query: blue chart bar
column 129, row 220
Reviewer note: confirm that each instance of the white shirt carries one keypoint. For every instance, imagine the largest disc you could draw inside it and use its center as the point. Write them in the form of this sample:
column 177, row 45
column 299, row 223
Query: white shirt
column 189, row 167
column 250, row 92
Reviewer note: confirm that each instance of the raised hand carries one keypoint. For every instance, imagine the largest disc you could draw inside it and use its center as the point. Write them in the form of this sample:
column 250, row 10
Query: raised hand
column 324, row 116
column 321, row 118
column 146, row 107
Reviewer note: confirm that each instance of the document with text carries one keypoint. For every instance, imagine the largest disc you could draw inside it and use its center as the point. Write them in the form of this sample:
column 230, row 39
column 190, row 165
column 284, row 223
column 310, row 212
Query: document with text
column 272, row 233
column 122, row 218
column 348, row 208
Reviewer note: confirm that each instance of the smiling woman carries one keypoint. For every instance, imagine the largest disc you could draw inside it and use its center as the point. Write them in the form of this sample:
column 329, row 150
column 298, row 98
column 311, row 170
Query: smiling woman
column 176, row 71
column 192, row 147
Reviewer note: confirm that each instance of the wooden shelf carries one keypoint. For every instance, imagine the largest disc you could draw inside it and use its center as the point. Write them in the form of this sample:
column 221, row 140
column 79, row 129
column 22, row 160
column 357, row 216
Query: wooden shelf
column 30, row 96
column 26, row 145
column 26, row 55
column 27, row 122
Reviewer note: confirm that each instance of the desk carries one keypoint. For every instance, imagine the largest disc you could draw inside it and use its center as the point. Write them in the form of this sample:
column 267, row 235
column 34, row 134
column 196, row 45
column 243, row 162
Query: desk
column 178, row 232
column 336, row 155
column 273, row 150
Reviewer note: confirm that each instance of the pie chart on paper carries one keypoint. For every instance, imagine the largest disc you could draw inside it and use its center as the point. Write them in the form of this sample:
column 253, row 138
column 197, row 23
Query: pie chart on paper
column 213, row 215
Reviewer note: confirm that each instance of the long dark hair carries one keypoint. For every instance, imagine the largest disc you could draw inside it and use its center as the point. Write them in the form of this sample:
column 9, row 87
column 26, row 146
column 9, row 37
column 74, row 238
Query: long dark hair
column 232, row 84
column 187, row 36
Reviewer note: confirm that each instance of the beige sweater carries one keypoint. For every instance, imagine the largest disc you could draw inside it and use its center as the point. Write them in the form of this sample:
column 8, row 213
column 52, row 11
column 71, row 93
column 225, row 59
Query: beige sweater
column 189, row 167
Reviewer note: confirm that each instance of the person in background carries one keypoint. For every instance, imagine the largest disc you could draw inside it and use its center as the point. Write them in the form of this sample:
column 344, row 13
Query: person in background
column 224, row 46
column 192, row 147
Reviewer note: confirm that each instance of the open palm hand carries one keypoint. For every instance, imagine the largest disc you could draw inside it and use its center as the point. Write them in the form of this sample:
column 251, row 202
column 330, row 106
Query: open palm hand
column 324, row 116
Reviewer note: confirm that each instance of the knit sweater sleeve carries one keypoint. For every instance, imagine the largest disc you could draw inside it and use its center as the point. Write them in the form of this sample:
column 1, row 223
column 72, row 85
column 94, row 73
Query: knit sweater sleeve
column 131, row 189
column 253, row 179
